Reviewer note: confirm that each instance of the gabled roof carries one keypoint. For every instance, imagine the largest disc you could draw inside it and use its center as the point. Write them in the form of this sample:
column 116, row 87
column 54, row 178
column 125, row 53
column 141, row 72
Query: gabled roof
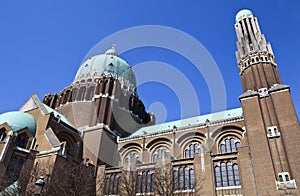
column 228, row 114
column 56, row 114
column 34, row 102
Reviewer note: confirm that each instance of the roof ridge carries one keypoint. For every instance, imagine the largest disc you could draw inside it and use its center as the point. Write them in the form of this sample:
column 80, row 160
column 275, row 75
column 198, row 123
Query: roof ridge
column 188, row 122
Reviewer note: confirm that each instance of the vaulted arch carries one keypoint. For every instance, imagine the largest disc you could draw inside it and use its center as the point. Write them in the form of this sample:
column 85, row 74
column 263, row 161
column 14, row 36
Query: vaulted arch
column 227, row 130
column 190, row 137
column 228, row 139
column 159, row 142
column 130, row 146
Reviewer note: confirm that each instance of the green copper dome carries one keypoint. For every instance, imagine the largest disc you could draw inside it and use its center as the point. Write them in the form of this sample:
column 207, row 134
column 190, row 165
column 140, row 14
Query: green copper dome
column 243, row 13
column 106, row 63
column 19, row 120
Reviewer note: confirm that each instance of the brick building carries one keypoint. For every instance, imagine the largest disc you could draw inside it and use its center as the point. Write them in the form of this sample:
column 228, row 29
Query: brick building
column 99, row 128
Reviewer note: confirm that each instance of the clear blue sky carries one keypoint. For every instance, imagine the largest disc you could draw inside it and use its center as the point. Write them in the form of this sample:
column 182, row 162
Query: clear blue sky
column 42, row 43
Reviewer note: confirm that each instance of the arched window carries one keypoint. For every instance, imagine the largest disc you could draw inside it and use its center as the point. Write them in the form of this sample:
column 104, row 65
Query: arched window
column 280, row 178
column 139, row 182
column 196, row 147
column 287, row 178
column 126, row 160
column 183, row 178
column 107, row 185
column 237, row 144
column 160, row 153
column 230, row 174
column 112, row 183
column 229, row 145
column 224, row 175
column 236, row 174
column 111, row 186
column 218, row 176
column 152, row 182
column 144, row 182
column 187, row 153
column 232, row 144
column 154, row 158
column 192, row 179
column 227, row 174
column 191, row 150
column 222, row 148
column 186, row 178
column 116, row 185
column 65, row 97
column 175, row 181
column 90, row 93
column 21, row 140
column 148, row 181
column 131, row 157
column 74, row 94
column 81, row 94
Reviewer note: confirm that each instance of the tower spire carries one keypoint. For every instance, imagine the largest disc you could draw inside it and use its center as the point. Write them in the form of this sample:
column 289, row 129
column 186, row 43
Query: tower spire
column 250, row 38
column 255, row 58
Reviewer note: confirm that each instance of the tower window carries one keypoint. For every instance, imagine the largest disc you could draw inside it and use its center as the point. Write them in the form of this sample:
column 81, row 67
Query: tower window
column 287, row 178
column 273, row 132
column 284, row 181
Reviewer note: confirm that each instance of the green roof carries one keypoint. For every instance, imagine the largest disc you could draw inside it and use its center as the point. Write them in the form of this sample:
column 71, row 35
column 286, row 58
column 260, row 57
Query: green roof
column 19, row 120
column 109, row 63
column 12, row 189
column 62, row 117
column 189, row 122
column 243, row 13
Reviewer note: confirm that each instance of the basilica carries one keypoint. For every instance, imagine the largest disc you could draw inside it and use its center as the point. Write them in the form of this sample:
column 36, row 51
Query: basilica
column 95, row 137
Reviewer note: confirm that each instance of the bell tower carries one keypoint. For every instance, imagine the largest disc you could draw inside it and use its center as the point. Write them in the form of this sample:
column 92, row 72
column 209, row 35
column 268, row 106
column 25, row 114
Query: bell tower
column 256, row 62
column 270, row 119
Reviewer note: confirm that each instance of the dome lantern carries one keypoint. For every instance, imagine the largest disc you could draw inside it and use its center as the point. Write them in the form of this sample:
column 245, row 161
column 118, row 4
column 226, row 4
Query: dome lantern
column 106, row 63
column 243, row 13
